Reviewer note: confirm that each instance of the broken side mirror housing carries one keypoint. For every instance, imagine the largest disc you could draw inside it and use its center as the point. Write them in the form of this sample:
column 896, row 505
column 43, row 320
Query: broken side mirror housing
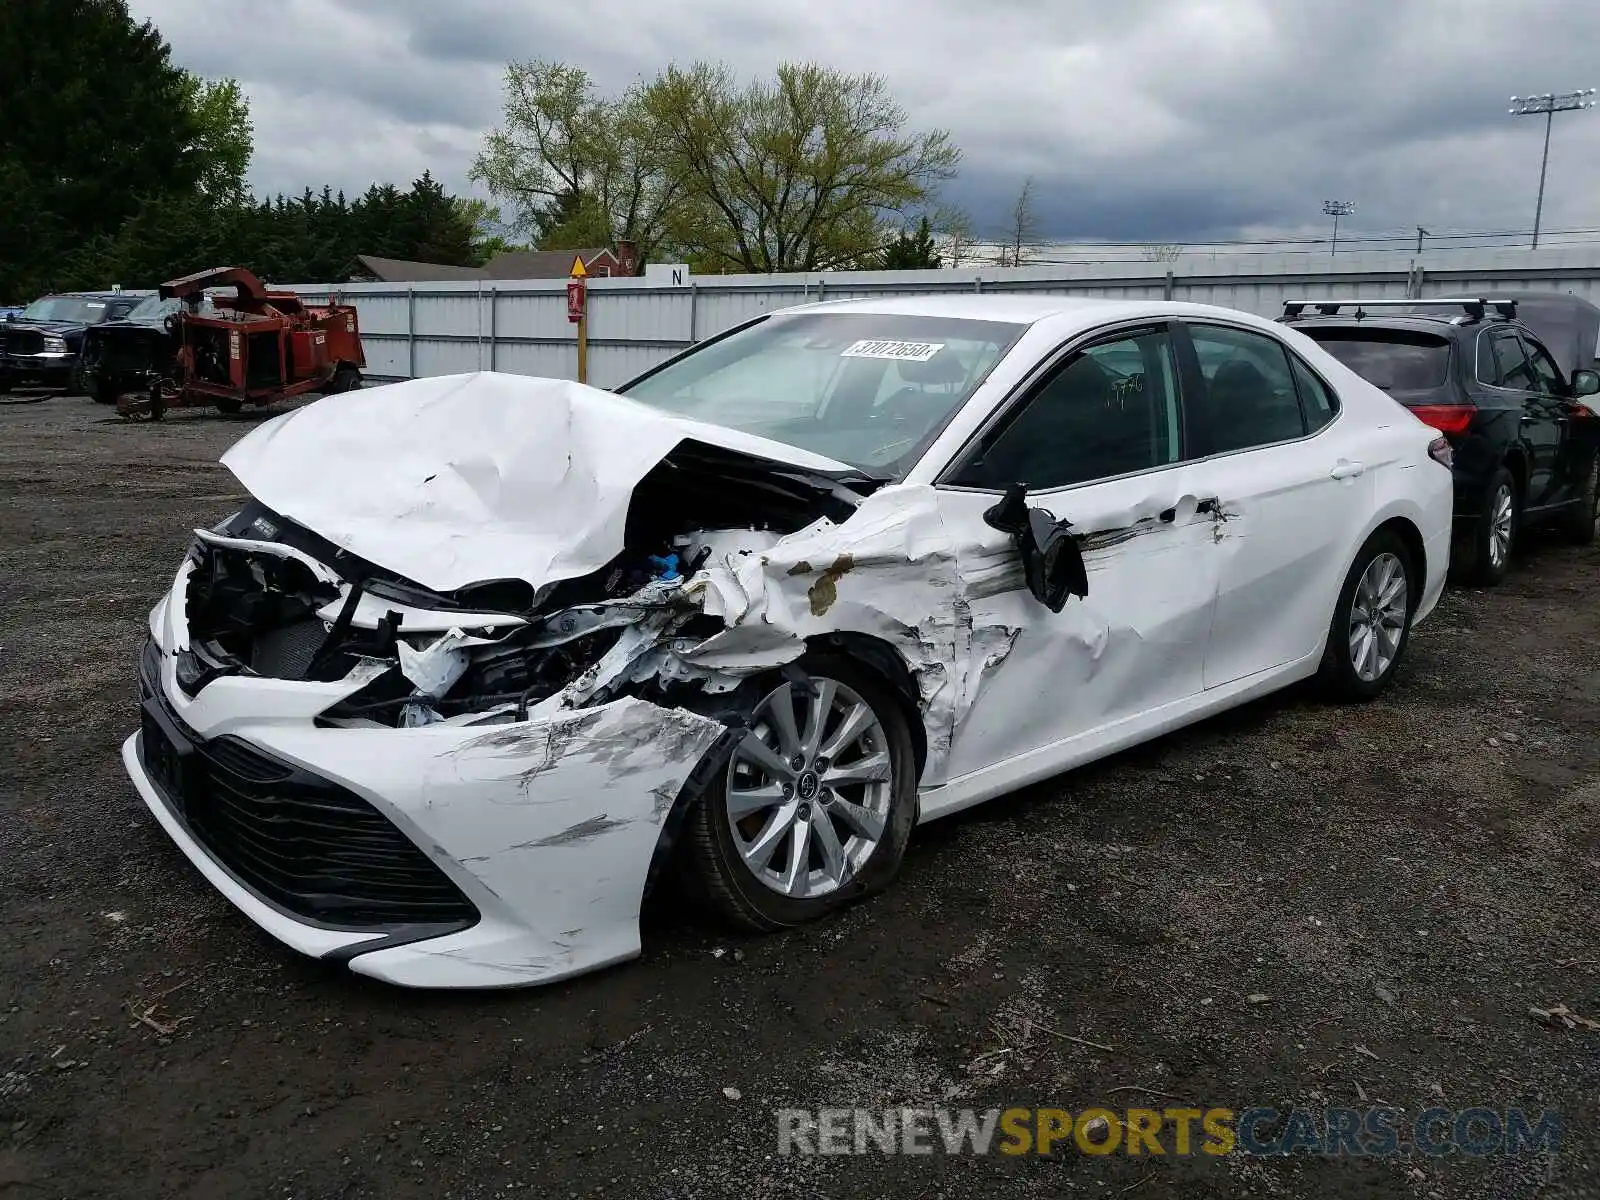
column 1052, row 560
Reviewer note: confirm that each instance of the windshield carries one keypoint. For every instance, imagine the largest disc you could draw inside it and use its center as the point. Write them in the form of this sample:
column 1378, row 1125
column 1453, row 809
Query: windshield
column 868, row 389
column 74, row 309
column 152, row 309
column 1396, row 360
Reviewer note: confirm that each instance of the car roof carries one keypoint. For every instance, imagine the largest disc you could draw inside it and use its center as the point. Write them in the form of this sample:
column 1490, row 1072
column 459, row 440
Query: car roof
column 1025, row 308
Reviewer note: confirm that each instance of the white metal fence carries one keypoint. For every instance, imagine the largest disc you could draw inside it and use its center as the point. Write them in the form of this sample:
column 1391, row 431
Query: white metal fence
column 412, row 330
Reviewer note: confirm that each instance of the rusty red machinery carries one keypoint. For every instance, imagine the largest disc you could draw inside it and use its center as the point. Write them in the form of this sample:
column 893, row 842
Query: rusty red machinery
column 253, row 347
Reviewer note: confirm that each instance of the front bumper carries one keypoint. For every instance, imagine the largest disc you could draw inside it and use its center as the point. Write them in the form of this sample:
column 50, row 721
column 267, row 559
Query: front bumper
column 49, row 367
column 547, row 828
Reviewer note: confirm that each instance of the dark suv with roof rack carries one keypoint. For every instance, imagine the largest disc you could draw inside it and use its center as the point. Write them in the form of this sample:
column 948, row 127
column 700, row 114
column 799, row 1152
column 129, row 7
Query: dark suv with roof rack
column 1508, row 382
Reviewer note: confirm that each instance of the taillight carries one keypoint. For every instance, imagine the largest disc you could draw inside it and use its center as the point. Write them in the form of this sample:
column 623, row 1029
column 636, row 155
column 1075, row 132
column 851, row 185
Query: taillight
column 1439, row 451
column 1446, row 418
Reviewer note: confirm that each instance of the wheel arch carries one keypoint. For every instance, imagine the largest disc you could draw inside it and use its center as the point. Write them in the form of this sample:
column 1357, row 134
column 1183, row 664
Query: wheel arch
column 1411, row 538
column 874, row 654
column 887, row 663
column 1516, row 461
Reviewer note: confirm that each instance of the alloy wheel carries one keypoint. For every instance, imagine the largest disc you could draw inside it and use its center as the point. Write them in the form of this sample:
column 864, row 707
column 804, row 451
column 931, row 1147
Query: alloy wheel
column 1378, row 613
column 1502, row 524
column 809, row 788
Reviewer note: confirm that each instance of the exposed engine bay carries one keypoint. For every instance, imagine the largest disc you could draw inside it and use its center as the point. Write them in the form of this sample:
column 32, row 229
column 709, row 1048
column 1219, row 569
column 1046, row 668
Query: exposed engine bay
column 269, row 597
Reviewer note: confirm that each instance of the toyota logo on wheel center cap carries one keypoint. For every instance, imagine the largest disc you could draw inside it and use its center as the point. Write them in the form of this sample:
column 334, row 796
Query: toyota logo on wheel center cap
column 807, row 785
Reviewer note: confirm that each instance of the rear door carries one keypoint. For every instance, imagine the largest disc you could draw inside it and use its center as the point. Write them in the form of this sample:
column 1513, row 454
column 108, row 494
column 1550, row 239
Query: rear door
column 1293, row 488
column 1097, row 436
column 1540, row 433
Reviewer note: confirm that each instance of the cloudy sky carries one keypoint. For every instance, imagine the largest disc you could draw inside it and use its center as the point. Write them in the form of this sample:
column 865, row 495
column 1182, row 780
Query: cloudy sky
column 1172, row 120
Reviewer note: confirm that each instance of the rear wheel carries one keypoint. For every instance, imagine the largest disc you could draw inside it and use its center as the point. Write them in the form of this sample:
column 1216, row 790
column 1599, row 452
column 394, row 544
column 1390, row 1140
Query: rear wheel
column 1371, row 621
column 346, row 379
column 812, row 809
column 1484, row 552
column 1581, row 519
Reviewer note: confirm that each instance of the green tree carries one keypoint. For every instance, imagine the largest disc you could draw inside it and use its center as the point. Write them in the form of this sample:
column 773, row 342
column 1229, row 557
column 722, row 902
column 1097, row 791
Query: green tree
column 96, row 123
column 577, row 169
column 807, row 171
column 488, row 229
column 225, row 139
column 912, row 250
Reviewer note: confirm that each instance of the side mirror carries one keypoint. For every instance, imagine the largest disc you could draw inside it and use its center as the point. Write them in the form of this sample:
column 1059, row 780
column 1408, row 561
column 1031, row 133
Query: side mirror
column 1585, row 383
column 1052, row 560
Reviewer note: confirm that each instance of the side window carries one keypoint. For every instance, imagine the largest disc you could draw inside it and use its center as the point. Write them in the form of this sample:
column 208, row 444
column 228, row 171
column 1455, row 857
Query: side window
column 1513, row 370
column 1547, row 376
column 1316, row 397
column 1250, row 397
column 1488, row 365
column 1109, row 410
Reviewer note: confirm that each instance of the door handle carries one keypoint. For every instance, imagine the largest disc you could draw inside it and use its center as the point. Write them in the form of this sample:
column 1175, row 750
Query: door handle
column 1345, row 469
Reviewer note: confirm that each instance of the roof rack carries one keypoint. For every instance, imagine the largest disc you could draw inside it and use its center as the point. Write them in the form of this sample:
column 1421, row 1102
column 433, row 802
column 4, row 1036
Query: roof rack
column 1473, row 307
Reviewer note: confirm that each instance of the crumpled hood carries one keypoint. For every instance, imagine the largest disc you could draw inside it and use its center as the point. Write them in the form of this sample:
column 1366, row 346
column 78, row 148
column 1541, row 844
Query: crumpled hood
column 460, row 479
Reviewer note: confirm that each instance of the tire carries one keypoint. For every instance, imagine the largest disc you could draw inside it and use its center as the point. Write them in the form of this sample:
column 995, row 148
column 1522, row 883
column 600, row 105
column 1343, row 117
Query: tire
column 724, row 850
column 5, row 383
column 1348, row 674
column 1580, row 520
column 228, row 405
column 1483, row 553
column 345, row 379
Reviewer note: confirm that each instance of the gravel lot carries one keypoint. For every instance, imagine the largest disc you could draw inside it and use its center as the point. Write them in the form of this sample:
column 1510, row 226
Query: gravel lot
column 1401, row 882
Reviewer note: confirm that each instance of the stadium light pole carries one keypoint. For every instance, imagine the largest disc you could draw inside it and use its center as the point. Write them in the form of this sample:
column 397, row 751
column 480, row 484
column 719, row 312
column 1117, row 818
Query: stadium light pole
column 1548, row 105
column 1337, row 209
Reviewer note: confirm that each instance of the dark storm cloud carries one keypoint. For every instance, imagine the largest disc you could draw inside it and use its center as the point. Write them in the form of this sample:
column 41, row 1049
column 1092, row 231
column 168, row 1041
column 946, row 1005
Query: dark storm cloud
column 1164, row 119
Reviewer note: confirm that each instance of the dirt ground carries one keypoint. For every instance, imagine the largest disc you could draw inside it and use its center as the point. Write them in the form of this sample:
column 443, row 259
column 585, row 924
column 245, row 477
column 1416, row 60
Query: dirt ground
column 1292, row 904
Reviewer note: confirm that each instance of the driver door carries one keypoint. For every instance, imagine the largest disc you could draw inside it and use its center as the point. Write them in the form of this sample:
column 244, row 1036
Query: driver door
column 1098, row 440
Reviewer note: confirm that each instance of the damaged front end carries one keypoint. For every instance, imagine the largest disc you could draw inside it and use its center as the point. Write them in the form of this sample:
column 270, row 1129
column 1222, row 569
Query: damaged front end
column 267, row 597
column 519, row 657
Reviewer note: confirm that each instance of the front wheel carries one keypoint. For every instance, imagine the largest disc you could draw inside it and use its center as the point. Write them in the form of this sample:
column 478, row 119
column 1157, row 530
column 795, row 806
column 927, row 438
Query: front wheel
column 812, row 809
column 1372, row 620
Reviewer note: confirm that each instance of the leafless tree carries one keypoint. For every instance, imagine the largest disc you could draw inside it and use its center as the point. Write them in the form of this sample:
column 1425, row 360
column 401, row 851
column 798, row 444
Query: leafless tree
column 952, row 226
column 1161, row 252
column 1021, row 236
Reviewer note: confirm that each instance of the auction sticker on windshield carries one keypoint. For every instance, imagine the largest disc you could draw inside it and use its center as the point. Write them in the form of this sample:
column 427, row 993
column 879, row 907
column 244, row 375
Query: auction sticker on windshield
column 900, row 351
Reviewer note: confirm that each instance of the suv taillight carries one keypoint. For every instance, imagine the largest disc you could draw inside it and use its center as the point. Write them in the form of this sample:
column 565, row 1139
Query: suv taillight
column 1446, row 418
column 1439, row 451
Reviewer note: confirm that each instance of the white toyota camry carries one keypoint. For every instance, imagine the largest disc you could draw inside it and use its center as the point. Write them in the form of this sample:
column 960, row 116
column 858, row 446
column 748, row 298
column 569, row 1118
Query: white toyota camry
column 484, row 654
